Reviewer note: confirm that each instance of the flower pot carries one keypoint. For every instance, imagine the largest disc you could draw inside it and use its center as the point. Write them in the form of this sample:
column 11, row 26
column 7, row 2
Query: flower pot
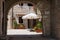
column 39, row 30
column 21, row 27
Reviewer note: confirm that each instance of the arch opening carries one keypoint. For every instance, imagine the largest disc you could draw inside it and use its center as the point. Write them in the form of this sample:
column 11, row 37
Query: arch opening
column 24, row 19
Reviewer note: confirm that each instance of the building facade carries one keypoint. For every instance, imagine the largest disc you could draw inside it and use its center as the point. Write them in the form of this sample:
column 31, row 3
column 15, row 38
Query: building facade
column 51, row 29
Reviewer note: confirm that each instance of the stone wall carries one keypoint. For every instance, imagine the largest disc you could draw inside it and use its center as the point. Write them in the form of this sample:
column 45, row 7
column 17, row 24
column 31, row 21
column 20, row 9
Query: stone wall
column 0, row 16
column 30, row 38
column 44, row 7
column 55, row 18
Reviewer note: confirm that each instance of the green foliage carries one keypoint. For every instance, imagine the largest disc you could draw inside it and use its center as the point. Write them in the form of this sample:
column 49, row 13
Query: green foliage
column 39, row 24
column 15, row 24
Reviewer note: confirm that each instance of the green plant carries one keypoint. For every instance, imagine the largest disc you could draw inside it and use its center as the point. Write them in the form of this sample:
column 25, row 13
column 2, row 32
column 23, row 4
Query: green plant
column 15, row 24
column 39, row 24
column 21, row 26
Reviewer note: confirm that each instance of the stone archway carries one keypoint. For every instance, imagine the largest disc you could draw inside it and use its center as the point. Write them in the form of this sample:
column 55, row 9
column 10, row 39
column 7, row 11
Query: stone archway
column 25, row 22
column 44, row 7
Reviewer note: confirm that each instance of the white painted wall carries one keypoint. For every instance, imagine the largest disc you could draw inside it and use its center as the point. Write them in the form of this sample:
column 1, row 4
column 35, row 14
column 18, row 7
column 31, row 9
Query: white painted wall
column 20, row 10
column 9, row 22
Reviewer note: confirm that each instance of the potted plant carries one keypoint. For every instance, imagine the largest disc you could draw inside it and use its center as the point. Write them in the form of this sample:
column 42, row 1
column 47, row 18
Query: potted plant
column 38, row 27
column 15, row 25
column 21, row 26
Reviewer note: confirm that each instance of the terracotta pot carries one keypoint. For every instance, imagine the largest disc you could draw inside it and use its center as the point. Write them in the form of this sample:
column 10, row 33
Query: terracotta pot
column 39, row 30
column 19, row 27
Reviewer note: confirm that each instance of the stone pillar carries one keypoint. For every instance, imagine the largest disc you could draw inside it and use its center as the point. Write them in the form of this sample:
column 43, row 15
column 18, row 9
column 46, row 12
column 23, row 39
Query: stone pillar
column 0, row 17
column 56, row 18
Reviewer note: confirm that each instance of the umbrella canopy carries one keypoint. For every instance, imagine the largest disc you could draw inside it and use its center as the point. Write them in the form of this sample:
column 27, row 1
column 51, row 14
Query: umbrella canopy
column 30, row 16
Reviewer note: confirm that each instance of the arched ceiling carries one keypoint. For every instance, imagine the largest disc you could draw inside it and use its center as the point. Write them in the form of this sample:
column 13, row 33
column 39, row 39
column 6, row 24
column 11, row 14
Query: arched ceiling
column 38, row 3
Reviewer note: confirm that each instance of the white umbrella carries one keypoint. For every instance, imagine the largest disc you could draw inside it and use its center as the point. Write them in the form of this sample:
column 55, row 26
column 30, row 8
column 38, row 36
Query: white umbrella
column 30, row 16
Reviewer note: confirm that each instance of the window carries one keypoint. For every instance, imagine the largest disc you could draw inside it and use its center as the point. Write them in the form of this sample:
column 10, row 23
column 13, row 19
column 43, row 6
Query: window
column 23, row 20
column 20, row 20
